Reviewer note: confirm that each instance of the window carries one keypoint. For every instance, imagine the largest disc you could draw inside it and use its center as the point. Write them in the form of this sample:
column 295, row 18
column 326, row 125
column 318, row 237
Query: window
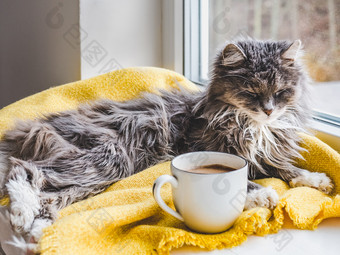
column 208, row 24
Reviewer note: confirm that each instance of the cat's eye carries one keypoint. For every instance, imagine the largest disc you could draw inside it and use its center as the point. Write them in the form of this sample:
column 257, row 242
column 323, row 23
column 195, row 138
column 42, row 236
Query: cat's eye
column 280, row 92
column 252, row 94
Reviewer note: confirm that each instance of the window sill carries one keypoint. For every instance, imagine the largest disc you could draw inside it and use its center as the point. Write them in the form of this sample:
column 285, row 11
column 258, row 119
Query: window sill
column 328, row 133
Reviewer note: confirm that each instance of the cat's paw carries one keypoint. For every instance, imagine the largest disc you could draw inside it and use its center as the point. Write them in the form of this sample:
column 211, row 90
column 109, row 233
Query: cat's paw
column 21, row 218
column 264, row 197
column 315, row 180
column 25, row 204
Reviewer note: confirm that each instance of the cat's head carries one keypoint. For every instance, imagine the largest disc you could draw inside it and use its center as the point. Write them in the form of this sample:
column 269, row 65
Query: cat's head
column 263, row 79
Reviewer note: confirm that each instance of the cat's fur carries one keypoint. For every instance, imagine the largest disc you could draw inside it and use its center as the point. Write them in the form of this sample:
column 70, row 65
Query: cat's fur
column 253, row 107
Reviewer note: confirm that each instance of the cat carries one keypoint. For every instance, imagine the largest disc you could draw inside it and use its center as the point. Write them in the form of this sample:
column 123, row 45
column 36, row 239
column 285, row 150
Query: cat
column 254, row 106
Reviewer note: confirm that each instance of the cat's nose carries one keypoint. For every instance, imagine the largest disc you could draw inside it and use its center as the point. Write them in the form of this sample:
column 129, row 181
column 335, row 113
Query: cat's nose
column 268, row 111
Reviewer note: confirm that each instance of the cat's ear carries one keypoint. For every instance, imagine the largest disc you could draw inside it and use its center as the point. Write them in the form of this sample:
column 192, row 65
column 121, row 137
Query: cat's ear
column 232, row 55
column 292, row 52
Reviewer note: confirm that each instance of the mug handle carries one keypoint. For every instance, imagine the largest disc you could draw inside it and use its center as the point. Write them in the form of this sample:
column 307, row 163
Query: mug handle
column 156, row 191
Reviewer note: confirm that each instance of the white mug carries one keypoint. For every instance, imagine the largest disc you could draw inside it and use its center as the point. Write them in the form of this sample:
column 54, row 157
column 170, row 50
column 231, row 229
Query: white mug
column 207, row 203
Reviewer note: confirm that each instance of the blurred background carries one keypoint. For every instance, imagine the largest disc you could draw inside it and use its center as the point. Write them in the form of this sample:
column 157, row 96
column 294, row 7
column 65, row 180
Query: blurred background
column 33, row 54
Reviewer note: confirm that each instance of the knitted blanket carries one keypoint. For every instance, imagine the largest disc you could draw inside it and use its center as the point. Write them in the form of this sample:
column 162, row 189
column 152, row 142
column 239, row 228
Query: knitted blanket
column 125, row 219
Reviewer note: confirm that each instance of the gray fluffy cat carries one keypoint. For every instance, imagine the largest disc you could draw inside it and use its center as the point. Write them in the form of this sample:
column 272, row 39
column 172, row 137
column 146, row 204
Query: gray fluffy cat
column 253, row 107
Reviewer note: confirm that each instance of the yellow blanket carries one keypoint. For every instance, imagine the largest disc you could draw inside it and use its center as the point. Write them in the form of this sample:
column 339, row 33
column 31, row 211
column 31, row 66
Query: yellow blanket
column 125, row 219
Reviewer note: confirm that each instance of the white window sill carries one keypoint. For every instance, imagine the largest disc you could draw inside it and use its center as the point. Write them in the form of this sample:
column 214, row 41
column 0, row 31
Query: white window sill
column 323, row 240
column 328, row 133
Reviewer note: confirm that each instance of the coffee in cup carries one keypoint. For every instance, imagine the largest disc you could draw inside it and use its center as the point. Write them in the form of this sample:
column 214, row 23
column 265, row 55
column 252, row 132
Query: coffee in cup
column 209, row 190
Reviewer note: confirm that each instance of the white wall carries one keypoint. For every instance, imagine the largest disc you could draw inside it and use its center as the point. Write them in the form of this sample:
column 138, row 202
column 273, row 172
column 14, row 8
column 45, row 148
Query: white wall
column 119, row 34
column 33, row 52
